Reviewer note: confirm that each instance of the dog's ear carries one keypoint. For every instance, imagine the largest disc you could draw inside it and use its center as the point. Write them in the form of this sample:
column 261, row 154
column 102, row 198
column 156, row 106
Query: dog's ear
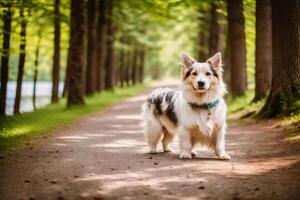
column 215, row 61
column 187, row 60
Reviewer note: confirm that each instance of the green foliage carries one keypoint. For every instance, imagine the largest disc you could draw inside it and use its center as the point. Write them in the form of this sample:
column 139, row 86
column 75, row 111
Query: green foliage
column 164, row 28
column 18, row 129
column 243, row 104
column 39, row 16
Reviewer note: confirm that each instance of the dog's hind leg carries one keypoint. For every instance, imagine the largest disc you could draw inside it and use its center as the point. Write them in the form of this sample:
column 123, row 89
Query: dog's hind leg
column 168, row 138
column 153, row 132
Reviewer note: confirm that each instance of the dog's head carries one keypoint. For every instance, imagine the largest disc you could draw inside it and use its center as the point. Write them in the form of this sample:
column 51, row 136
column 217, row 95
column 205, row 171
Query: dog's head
column 201, row 77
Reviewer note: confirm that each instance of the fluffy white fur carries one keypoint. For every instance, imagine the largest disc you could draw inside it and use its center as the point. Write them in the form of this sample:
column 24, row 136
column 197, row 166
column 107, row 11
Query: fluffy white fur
column 193, row 125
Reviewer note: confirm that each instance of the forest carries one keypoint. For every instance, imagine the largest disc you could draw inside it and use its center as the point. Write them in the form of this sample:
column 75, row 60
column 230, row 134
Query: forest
column 92, row 54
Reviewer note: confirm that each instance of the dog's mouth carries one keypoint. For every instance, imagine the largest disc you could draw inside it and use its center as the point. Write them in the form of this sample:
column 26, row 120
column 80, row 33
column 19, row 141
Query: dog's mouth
column 200, row 89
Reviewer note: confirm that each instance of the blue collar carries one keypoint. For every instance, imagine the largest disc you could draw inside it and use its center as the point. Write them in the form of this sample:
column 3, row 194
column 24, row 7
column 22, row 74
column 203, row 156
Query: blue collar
column 206, row 106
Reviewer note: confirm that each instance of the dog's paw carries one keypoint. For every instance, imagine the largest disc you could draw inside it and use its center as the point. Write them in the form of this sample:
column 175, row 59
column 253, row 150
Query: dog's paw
column 194, row 154
column 224, row 156
column 167, row 149
column 185, row 156
column 153, row 151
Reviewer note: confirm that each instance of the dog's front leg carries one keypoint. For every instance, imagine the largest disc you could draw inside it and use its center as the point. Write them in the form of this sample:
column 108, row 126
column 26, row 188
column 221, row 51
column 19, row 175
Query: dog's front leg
column 220, row 144
column 185, row 144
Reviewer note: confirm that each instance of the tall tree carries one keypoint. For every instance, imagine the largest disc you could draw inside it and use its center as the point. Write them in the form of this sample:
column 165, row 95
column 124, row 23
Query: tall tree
column 141, row 64
column 67, row 76
column 101, row 32
column 134, row 66
column 202, row 35
column 92, row 48
column 122, row 67
column 215, row 28
column 236, row 34
column 128, row 66
column 263, row 51
column 109, row 65
column 56, row 56
column 7, row 14
column 77, row 51
column 285, row 88
column 226, row 67
column 36, row 67
column 21, row 58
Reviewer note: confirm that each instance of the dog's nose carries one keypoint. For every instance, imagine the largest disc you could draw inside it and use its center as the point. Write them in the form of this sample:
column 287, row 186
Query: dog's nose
column 201, row 84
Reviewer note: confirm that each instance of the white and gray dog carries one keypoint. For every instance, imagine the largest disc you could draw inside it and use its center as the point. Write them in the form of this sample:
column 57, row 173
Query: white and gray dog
column 196, row 113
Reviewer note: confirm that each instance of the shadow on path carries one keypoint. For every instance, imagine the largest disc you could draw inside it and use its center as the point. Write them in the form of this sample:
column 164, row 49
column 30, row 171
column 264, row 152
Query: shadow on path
column 104, row 157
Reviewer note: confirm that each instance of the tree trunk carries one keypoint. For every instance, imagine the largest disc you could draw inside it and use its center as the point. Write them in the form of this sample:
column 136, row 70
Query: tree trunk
column 214, row 35
column 285, row 88
column 109, row 65
column 128, row 67
column 67, row 75
column 56, row 57
column 7, row 14
column 263, row 52
column 227, row 65
column 202, row 36
column 122, row 66
column 101, row 32
column 21, row 60
column 36, row 68
column 92, row 49
column 141, row 64
column 134, row 65
column 237, row 45
column 77, row 51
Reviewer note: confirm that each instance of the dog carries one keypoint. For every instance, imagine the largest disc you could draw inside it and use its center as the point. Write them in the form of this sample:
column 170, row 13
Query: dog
column 196, row 112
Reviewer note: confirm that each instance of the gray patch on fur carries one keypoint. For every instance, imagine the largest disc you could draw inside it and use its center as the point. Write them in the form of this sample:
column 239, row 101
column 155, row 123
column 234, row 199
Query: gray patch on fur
column 157, row 101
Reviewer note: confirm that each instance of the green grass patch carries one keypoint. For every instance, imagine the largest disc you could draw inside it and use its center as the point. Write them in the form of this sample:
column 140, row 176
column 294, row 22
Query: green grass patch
column 15, row 130
column 291, row 124
column 241, row 109
column 244, row 104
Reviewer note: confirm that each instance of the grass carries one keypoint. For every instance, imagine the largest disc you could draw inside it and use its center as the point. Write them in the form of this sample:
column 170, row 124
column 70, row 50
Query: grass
column 243, row 104
column 18, row 129
column 242, row 109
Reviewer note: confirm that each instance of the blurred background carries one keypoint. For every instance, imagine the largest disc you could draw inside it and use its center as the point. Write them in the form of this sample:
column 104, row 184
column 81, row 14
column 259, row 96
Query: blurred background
column 76, row 49
column 148, row 37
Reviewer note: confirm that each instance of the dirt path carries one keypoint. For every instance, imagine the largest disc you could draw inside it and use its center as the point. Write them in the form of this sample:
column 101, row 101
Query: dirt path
column 103, row 157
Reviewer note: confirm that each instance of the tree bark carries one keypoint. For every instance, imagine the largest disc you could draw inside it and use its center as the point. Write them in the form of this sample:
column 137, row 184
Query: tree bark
column 77, row 51
column 67, row 75
column 226, row 67
column 141, row 64
column 7, row 15
column 263, row 52
column 56, row 56
column 122, row 67
column 202, row 36
column 36, row 68
column 101, row 33
column 21, row 60
column 237, row 45
column 134, row 66
column 285, row 87
column 128, row 67
column 109, row 65
column 214, row 33
column 92, row 49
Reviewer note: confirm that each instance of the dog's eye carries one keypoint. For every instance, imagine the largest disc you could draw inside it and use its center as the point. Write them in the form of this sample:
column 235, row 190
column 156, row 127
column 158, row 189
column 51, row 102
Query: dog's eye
column 195, row 73
column 207, row 73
